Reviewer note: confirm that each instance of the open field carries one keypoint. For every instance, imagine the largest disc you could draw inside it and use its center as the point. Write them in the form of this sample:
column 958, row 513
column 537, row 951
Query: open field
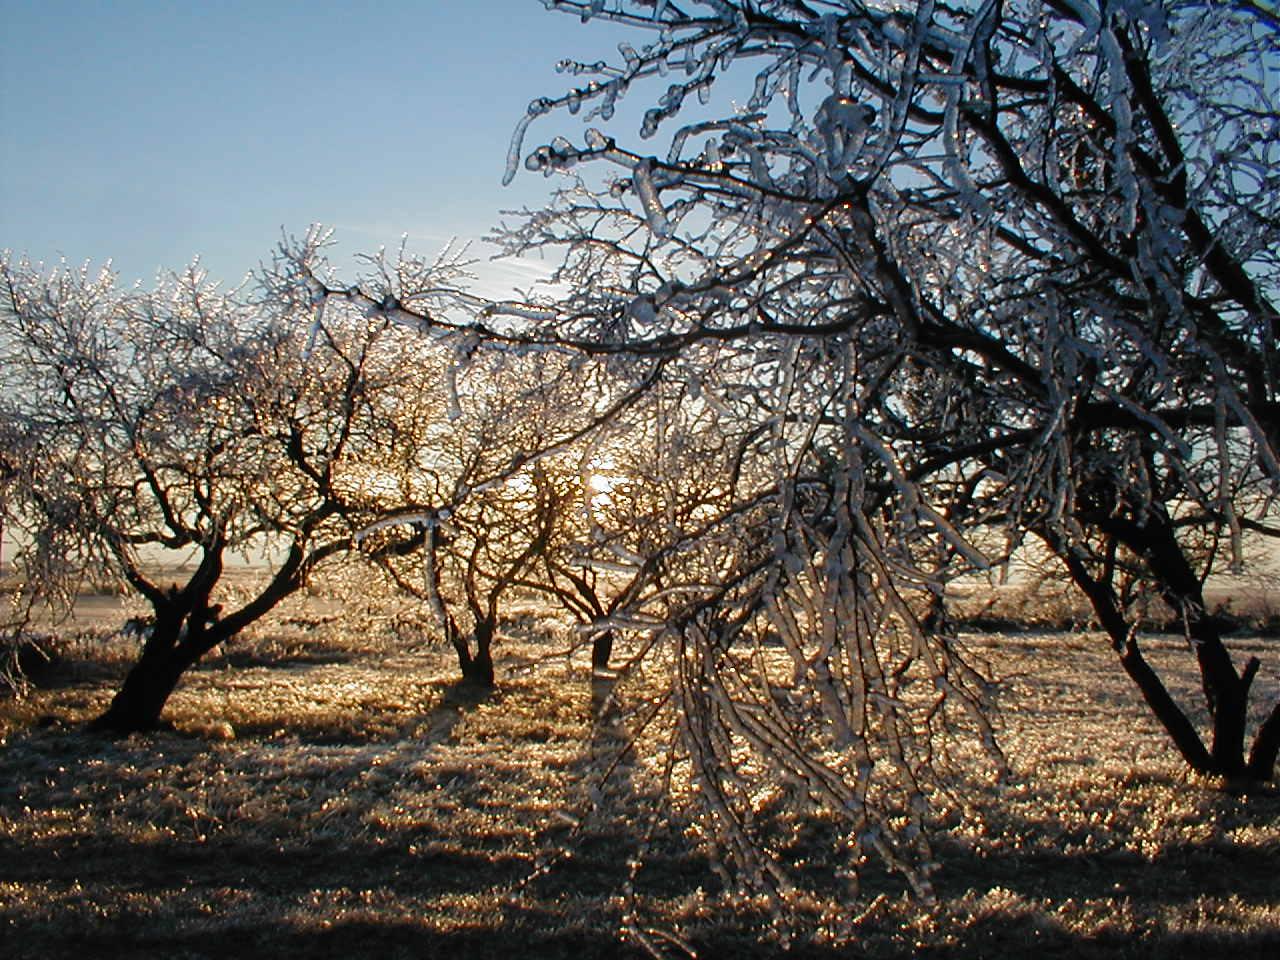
column 330, row 793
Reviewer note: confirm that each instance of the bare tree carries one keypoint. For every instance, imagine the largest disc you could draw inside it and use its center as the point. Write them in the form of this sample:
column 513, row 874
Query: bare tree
column 1023, row 256
column 944, row 269
column 184, row 426
column 488, row 457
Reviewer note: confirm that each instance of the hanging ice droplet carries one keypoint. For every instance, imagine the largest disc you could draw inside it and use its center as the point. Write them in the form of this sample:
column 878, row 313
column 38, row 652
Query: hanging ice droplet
column 517, row 144
column 451, row 380
column 711, row 155
column 314, row 332
column 538, row 160
column 642, row 310
column 648, row 194
column 650, row 125
column 843, row 124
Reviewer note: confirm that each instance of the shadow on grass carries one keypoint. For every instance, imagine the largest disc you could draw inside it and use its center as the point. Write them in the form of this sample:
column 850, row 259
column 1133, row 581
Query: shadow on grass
column 287, row 870
column 375, row 719
column 1177, row 874
column 460, row 698
column 50, row 668
column 392, row 939
column 111, row 867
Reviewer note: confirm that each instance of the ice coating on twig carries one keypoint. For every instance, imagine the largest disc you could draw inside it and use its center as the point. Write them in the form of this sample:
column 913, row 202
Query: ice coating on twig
column 642, row 175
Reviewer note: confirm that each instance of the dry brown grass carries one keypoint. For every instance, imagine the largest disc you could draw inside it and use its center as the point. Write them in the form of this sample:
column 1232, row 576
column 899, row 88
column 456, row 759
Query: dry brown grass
column 330, row 793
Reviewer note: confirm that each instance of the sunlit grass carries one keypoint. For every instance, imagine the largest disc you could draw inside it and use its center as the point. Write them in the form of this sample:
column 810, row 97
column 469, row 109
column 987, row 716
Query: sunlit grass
column 328, row 791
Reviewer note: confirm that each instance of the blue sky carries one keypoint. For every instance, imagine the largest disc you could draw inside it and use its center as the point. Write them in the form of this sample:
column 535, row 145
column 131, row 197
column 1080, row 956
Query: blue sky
column 150, row 132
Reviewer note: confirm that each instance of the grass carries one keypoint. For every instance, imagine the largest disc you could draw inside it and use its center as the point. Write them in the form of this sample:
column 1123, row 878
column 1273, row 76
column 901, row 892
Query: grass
column 331, row 793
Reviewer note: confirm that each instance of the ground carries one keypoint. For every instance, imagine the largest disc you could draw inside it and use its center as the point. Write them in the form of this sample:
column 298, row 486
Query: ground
column 327, row 792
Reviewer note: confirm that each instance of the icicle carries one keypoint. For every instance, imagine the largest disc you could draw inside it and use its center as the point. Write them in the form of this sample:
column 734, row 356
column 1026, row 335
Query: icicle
column 1226, row 502
column 536, row 109
column 462, row 352
column 629, row 55
column 648, row 194
column 759, row 166
column 1118, row 95
column 760, row 93
column 1162, row 428
column 621, row 622
column 511, row 308
column 451, row 379
column 911, row 498
column 606, row 566
column 969, row 192
column 649, row 126
column 843, row 125
column 793, row 94
column 711, row 157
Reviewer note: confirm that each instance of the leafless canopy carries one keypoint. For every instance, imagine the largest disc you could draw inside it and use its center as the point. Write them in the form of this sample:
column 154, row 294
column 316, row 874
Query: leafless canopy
column 945, row 277
column 946, row 270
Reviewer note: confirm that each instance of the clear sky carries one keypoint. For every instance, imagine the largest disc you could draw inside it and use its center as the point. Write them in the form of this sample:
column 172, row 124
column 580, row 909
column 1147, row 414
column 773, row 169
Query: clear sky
column 150, row 132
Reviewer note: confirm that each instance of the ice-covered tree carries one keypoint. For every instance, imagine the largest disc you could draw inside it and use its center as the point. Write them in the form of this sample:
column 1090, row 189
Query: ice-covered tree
column 182, row 427
column 488, row 462
column 937, row 270
column 493, row 486
column 928, row 271
column 999, row 265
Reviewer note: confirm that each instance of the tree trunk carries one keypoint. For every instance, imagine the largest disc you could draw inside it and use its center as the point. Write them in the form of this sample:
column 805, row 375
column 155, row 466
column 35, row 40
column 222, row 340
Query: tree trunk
column 1227, row 695
column 178, row 640
column 138, row 704
column 1266, row 745
column 477, row 667
column 1226, row 690
column 601, row 651
column 1153, row 690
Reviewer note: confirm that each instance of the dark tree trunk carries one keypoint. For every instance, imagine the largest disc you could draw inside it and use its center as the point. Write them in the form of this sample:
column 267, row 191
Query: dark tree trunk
column 1266, row 745
column 187, row 627
column 1226, row 693
column 137, row 706
column 477, row 666
column 138, row 703
column 1226, row 690
column 1170, row 715
column 601, row 651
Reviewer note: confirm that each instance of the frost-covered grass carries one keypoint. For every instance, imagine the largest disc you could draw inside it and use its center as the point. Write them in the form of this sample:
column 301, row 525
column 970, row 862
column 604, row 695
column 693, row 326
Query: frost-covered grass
column 334, row 794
